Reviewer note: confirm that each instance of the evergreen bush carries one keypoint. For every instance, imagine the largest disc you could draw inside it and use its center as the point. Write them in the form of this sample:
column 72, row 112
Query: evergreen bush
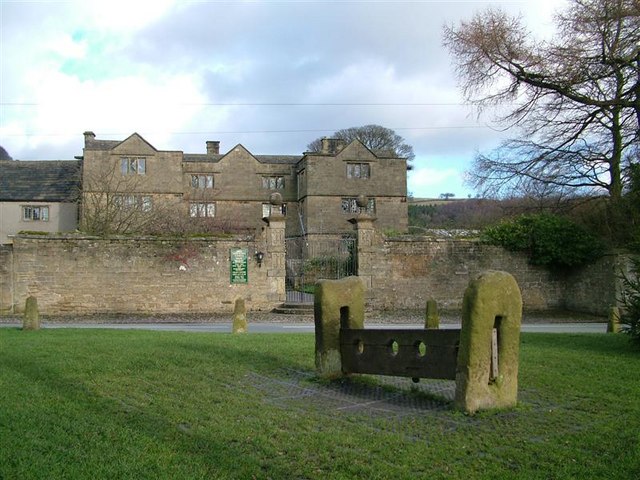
column 630, row 317
column 548, row 240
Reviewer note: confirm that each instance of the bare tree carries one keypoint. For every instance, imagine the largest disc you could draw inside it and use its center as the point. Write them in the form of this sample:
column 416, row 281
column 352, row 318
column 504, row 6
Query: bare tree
column 374, row 137
column 111, row 203
column 575, row 99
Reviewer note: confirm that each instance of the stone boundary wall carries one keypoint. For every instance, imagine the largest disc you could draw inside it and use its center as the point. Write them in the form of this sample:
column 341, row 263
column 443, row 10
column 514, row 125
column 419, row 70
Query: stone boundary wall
column 85, row 275
column 407, row 271
column 6, row 274
column 595, row 288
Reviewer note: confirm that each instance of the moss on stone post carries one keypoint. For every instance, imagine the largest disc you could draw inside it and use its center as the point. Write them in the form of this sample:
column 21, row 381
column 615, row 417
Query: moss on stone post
column 31, row 318
column 240, row 316
column 275, row 254
column 492, row 300
column 366, row 245
column 337, row 303
column 432, row 319
column 613, row 325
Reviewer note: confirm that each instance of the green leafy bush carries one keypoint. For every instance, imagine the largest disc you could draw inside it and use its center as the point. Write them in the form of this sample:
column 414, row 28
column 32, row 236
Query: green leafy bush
column 548, row 240
column 630, row 317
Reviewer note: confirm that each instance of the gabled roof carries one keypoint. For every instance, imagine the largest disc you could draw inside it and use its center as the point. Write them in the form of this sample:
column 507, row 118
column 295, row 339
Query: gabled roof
column 357, row 145
column 273, row 159
column 356, row 150
column 135, row 141
column 279, row 159
column 92, row 143
column 116, row 145
column 201, row 157
column 43, row 181
column 269, row 159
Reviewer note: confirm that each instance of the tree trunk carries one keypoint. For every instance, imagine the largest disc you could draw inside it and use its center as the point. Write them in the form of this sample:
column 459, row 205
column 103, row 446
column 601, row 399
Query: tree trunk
column 615, row 183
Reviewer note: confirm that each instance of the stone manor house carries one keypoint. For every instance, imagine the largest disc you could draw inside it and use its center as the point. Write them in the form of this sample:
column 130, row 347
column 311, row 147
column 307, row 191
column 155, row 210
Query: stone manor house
column 231, row 190
column 323, row 195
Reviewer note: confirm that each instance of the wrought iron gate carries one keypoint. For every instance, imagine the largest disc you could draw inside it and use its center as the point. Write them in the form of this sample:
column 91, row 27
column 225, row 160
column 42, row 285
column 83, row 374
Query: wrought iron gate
column 311, row 259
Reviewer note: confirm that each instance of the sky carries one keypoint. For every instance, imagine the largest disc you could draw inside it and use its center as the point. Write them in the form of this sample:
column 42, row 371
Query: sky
column 270, row 75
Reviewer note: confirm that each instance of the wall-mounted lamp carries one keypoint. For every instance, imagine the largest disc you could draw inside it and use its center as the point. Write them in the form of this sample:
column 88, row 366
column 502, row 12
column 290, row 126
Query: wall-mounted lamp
column 259, row 258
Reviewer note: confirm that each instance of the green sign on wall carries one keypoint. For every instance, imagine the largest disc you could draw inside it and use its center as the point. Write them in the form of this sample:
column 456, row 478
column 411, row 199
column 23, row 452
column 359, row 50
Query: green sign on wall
column 239, row 265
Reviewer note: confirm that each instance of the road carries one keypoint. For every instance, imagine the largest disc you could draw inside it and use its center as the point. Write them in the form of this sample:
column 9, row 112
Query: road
column 225, row 327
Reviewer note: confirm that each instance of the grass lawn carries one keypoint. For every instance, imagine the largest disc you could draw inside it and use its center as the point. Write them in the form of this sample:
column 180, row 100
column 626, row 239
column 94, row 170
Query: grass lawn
column 133, row 404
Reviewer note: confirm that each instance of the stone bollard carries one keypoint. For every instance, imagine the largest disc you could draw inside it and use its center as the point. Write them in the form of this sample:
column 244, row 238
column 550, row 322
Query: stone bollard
column 613, row 326
column 432, row 319
column 488, row 377
column 31, row 318
column 240, row 317
column 337, row 303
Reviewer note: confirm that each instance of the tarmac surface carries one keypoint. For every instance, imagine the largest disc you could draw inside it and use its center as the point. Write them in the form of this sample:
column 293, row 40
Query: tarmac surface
column 268, row 322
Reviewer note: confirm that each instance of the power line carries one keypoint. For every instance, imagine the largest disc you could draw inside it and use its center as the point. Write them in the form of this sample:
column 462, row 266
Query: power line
column 272, row 104
column 240, row 132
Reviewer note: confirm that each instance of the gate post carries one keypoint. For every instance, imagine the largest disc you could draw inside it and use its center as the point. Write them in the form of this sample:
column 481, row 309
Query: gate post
column 276, row 249
column 492, row 300
column 337, row 304
column 365, row 232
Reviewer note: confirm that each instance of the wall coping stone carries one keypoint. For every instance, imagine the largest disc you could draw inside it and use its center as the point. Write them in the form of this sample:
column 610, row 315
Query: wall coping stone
column 141, row 238
column 425, row 238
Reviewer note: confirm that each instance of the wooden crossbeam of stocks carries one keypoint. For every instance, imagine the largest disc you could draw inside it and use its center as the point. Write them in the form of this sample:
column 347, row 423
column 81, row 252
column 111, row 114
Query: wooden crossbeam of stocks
column 415, row 353
column 482, row 357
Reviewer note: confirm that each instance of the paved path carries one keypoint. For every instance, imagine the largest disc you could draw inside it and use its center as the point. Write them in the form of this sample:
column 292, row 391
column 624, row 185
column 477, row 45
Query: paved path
column 280, row 327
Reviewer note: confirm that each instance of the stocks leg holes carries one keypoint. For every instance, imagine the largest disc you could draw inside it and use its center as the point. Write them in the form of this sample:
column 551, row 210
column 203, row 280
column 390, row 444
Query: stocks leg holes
column 420, row 351
column 393, row 348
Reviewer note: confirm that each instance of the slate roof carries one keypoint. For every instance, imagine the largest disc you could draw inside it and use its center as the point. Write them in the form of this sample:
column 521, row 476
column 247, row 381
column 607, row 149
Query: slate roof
column 102, row 144
column 272, row 159
column 201, row 157
column 44, row 181
column 279, row 159
column 94, row 144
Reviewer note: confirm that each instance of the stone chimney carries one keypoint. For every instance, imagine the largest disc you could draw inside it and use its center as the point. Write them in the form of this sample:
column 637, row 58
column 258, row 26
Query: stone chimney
column 213, row 147
column 332, row 145
column 89, row 137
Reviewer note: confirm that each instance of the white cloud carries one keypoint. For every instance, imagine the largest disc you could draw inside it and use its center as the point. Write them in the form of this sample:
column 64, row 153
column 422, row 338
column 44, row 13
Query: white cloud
column 153, row 66
column 67, row 106
column 66, row 47
column 122, row 15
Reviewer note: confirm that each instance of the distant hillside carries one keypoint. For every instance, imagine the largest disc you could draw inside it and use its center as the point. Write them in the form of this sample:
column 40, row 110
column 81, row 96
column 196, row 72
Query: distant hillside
column 454, row 213
column 435, row 201
column 477, row 213
column 4, row 155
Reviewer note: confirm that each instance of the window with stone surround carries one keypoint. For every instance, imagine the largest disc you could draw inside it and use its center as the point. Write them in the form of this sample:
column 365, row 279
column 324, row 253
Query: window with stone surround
column 35, row 213
column 202, row 209
column 350, row 205
column 302, row 183
column 358, row 170
column 202, row 180
column 133, row 165
column 143, row 203
column 274, row 182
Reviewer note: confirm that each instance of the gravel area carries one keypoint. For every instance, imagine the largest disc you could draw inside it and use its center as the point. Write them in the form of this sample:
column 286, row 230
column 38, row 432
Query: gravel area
column 387, row 317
